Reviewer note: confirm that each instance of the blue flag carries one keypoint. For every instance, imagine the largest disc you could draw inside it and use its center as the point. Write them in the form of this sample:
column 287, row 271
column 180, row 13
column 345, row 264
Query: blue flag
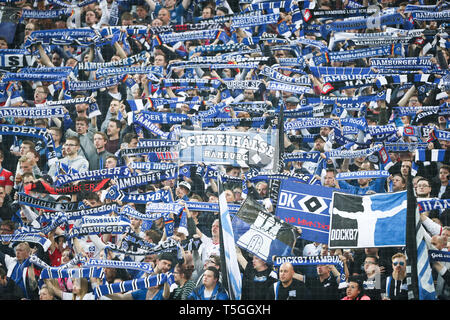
column 376, row 220
column 306, row 206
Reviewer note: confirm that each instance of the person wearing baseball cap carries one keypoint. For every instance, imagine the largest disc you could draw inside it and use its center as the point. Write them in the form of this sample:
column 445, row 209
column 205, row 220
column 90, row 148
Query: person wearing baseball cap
column 183, row 190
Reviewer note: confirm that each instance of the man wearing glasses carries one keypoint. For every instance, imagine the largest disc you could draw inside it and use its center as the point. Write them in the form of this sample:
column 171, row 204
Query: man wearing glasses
column 72, row 158
column 396, row 285
column 423, row 190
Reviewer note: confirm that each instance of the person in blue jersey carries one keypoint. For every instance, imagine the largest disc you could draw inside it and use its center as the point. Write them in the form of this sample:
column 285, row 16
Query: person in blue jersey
column 211, row 289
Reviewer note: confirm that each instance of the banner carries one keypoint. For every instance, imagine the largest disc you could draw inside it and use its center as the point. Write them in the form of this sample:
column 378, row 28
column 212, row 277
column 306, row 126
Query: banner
column 376, row 220
column 261, row 233
column 243, row 149
column 306, row 206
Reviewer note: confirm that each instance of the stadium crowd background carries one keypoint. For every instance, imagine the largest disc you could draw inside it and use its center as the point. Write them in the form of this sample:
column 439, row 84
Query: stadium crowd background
column 85, row 142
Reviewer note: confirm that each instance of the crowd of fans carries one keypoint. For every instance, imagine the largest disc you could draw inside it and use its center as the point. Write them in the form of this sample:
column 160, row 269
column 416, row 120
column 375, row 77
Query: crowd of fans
column 87, row 139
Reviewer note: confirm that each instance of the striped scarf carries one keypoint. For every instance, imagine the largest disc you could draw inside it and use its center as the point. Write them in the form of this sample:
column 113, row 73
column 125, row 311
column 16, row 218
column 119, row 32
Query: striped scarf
column 133, row 285
column 58, row 273
column 161, row 195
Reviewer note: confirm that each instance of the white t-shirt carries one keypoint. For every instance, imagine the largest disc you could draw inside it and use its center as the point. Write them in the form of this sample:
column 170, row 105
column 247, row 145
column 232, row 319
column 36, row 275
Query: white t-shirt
column 208, row 248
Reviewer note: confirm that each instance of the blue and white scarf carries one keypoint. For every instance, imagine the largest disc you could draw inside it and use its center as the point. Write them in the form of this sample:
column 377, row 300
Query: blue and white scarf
column 166, row 117
column 349, row 55
column 133, row 285
column 383, row 20
column 351, row 154
column 146, row 121
column 431, row 16
column 155, row 71
column 433, row 204
column 91, row 85
column 402, row 63
column 27, row 237
column 95, row 229
column 278, row 76
column 103, row 263
column 32, row 113
column 39, row 133
column 161, row 195
column 116, row 172
column 132, row 212
column 404, row 146
column 369, row 174
column 149, row 166
column 298, row 89
column 45, row 14
column 58, row 272
column 90, row 66
column 77, row 5
column 145, row 179
column 16, row 58
column 313, row 156
column 44, row 204
column 209, row 206
column 95, row 211
column 80, row 37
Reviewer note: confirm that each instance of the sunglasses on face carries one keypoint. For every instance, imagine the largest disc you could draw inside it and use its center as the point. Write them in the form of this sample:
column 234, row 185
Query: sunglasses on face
column 396, row 263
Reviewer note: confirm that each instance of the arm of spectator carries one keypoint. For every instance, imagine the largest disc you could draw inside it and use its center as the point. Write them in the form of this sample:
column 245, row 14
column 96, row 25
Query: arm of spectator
column 432, row 227
column 120, row 52
column 240, row 258
column 405, row 99
column 45, row 60
column 382, row 117
column 151, row 5
column 50, row 283
column 345, row 165
column 186, row 4
column 77, row 248
column 99, row 243
column 443, row 271
column 299, row 277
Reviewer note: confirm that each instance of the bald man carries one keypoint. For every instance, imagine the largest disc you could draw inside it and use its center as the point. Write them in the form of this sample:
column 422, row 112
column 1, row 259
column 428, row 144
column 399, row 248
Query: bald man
column 288, row 288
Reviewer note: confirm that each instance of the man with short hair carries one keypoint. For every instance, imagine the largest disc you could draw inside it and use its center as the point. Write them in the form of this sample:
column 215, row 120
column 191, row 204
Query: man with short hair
column 287, row 287
column 71, row 159
column 398, row 183
column 111, row 162
column 21, row 271
column 27, row 164
column 396, row 284
column 113, row 132
column 324, row 285
column 258, row 277
column 163, row 264
column 329, row 179
column 423, row 188
column 374, row 281
column 211, row 289
column 84, row 130
column 176, row 13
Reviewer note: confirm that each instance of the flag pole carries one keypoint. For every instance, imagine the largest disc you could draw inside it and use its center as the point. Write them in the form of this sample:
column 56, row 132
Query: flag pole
column 411, row 241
